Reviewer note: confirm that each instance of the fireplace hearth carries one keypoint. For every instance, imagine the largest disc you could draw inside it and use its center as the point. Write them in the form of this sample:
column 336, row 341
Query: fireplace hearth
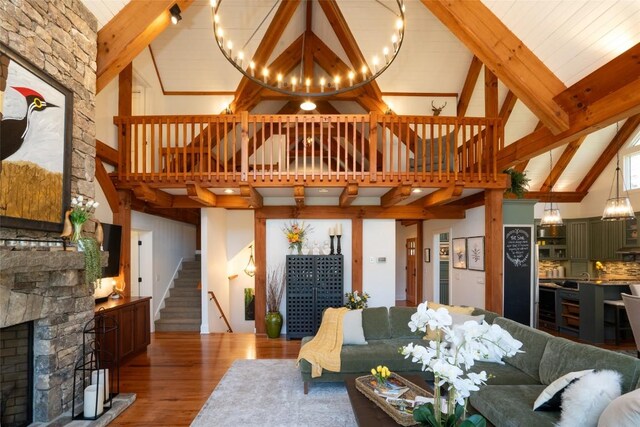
column 16, row 375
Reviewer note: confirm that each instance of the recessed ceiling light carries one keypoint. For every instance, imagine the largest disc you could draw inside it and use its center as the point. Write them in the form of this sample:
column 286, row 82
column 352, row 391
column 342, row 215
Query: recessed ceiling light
column 417, row 190
column 308, row 105
column 323, row 190
column 228, row 191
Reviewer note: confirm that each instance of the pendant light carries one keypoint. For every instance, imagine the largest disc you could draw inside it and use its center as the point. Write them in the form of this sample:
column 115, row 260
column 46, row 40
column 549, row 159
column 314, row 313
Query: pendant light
column 618, row 208
column 551, row 216
column 250, row 269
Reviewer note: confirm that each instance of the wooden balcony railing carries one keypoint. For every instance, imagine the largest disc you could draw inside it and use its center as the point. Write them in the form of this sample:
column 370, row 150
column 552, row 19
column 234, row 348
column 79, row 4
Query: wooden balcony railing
column 280, row 149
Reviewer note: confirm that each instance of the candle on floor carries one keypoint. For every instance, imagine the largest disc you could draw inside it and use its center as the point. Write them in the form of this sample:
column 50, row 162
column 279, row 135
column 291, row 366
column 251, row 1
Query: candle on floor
column 93, row 401
column 101, row 375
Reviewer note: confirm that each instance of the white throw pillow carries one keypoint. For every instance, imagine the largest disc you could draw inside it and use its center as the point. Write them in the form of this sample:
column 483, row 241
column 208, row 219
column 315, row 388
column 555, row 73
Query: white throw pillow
column 622, row 412
column 549, row 399
column 352, row 332
column 584, row 401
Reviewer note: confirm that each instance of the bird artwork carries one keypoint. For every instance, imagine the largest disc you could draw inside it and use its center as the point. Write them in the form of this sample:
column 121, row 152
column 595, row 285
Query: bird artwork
column 13, row 131
column 67, row 229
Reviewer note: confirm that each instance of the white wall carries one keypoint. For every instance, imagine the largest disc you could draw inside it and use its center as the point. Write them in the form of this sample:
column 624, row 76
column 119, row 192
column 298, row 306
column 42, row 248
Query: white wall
column 466, row 286
column 173, row 241
column 213, row 224
column 378, row 278
column 402, row 234
column 240, row 235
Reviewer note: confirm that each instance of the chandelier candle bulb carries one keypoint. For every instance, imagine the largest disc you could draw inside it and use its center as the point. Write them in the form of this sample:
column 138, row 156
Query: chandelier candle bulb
column 240, row 58
column 394, row 41
column 363, row 70
column 322, row 83
column 385, row 52
column 252, row 65
column 336, row 81
column 265, row 74
column 230, row 47
column 375, row 64
column 307, row 83
column 279, row 78
column 220, row 36
column 293, row 83
column 351, row 76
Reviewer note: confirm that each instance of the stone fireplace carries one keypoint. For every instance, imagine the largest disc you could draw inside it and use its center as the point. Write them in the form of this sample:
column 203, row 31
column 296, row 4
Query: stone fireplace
column 16, row 375
column 47, row 288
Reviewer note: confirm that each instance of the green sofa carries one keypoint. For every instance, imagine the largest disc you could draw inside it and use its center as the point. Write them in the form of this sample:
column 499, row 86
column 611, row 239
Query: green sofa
column 507, row 399
column 385, row 331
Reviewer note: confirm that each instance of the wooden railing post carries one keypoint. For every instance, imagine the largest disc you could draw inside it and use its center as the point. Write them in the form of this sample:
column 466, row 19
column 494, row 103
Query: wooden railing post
column 244, row 150
column 373, row 146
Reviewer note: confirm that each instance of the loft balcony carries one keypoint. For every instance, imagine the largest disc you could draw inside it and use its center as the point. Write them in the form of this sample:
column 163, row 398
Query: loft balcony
column 309, row 149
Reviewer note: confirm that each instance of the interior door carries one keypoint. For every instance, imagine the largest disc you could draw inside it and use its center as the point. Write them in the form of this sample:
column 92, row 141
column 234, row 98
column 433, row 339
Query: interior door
column 411, row 271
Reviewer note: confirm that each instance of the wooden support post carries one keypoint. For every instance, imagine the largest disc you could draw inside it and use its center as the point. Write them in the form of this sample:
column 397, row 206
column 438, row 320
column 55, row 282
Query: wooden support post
column 493, row 291
column 123, row 218
column 490, row 94
column 260, row 239
column 419, row 262
column 356, row 255
column 125, row 91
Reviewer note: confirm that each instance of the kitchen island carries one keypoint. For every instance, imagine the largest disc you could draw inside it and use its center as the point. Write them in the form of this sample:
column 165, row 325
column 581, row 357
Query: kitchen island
column 579, row 305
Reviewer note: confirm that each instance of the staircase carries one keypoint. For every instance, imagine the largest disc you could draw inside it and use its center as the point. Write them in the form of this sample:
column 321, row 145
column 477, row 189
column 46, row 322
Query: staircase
column 182, row 308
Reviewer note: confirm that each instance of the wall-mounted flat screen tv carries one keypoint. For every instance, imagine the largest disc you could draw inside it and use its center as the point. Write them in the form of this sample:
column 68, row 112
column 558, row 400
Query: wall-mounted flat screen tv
column 111, row 244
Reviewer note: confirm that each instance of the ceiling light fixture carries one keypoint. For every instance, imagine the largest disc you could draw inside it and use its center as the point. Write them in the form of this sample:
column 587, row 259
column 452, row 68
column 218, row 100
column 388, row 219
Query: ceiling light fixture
column 551, row 214
column 308, row 106
column 290, row 82
column 417, row 190
column 250, row 269
column 618, row 208
column 175, row 14
column 228, row 191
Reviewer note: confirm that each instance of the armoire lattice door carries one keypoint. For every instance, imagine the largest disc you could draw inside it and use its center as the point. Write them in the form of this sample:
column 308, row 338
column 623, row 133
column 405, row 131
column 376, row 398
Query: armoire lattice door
column 314, row 282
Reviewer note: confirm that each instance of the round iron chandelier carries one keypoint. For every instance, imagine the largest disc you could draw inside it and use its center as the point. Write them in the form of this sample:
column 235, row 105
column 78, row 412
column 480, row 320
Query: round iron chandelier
column 295, row 83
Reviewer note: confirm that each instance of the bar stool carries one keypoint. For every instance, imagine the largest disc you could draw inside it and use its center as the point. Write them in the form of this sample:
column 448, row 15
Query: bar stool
column 618, row 306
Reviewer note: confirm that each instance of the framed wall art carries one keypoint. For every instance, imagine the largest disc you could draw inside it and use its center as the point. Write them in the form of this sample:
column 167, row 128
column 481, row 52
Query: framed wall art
column 459, row 255
column 35, row 145
column 475, row 246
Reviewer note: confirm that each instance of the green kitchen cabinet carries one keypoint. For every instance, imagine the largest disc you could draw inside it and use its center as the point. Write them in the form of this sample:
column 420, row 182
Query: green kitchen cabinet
column 577, row 240
column 605, row 238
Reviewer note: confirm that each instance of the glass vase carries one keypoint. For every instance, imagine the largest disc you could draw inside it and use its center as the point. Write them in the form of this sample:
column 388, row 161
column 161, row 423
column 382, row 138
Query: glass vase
column 77, row 232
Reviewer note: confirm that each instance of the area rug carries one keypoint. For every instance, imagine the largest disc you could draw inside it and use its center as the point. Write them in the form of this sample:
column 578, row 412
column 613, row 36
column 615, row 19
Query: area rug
column 270, row 393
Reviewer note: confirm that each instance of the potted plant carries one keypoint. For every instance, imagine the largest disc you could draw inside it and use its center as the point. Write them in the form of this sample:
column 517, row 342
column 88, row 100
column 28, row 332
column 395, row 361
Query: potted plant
column 275, row 292
column 449, row 357
column 296, row 235
column 519, row 183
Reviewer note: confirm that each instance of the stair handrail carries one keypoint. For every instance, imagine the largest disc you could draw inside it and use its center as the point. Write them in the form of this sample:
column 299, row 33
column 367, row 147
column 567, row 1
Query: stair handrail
column 212, row 296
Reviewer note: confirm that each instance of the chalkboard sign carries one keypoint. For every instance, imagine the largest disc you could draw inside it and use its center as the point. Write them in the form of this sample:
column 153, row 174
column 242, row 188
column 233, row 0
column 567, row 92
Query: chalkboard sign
column 518, row 266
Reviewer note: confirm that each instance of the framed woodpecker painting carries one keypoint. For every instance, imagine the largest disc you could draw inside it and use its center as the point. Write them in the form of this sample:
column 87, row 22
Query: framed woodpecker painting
column 35, row 145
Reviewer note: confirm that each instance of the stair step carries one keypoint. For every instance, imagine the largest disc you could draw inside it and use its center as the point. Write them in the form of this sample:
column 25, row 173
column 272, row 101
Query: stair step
column 183, row 309
column 185, row 292
column 190, row 274
column 187, row 282
column 197, row 257
column 178, row 326
column 191, row 265
column 182, row 302
column 195, row 317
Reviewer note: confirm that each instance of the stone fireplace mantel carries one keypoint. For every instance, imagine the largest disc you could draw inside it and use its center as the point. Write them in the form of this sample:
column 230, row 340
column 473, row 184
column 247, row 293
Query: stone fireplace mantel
column 48, row 288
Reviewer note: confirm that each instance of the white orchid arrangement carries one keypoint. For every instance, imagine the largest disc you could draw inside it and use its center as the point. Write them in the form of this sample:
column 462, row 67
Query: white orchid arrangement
column 449, row 357
column 81, row 211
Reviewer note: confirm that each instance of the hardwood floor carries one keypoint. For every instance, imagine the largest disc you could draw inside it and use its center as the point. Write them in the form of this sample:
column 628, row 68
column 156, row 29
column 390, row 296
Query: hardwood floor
column 180, row 370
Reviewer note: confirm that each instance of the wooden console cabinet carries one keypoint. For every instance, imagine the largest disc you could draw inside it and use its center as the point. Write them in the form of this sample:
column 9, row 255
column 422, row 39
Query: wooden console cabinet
column 133, row 317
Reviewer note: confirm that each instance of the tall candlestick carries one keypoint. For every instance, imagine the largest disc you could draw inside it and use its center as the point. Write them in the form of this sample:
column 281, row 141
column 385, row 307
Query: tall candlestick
column 339, row 248
column 331, row 237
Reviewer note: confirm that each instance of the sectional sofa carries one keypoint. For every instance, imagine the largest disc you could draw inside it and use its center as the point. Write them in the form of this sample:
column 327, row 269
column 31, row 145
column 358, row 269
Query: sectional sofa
column 508, row 397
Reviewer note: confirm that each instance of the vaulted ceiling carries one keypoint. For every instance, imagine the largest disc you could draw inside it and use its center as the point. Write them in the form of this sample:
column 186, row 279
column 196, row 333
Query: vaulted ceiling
column 571, row 38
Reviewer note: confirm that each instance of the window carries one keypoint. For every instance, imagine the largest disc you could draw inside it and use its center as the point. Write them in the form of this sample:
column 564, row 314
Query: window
column 631, row 164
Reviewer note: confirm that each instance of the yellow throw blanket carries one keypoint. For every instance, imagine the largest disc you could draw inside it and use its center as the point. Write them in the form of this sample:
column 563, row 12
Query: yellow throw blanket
column 323, row 351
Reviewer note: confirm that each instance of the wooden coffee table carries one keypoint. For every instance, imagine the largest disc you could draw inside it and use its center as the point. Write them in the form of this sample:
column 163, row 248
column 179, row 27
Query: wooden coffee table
column 368, row 413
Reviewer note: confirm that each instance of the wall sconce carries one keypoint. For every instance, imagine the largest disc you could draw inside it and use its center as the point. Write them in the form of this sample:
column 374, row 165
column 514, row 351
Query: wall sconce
column 175, row 14
column 250, row 269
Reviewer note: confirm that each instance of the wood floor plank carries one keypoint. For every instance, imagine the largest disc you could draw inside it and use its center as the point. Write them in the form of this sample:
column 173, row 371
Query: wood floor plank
column 176, row 375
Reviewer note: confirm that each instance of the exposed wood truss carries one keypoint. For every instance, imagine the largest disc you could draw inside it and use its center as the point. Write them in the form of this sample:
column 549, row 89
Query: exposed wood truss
column 349, row 194
column 570, row 150
column 201, row 195
column 106, row 154
column 251, row 195
column 362, row 212
column 442, row 196
column 395, row 195
column 107, row 186
column 506, row 56
column 128, row 33
column 298, row 195
column 469, row 85
column 152, row 195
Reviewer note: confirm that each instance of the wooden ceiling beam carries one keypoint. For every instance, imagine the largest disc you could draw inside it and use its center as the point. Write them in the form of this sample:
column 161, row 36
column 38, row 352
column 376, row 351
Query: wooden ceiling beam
column 107, row 154
column 269, row 42
column 469, row 85
column 298, row 195
column 621, row 102
column 189, row 216
column 617, row 142
column 348, row 42
column 555, row 196
column 507, row 107
column 362, row 212
column 490, row 94
column 154, row 196
column 107, row 186
column 520, row 167
column 348, row 195
column 200, row 195
column 472, row 201
column 442, row 196
column 505, row 55
column 137, row 24
column 395, row 195
column 565, row 158
column 251, row 195
column 222, row 201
